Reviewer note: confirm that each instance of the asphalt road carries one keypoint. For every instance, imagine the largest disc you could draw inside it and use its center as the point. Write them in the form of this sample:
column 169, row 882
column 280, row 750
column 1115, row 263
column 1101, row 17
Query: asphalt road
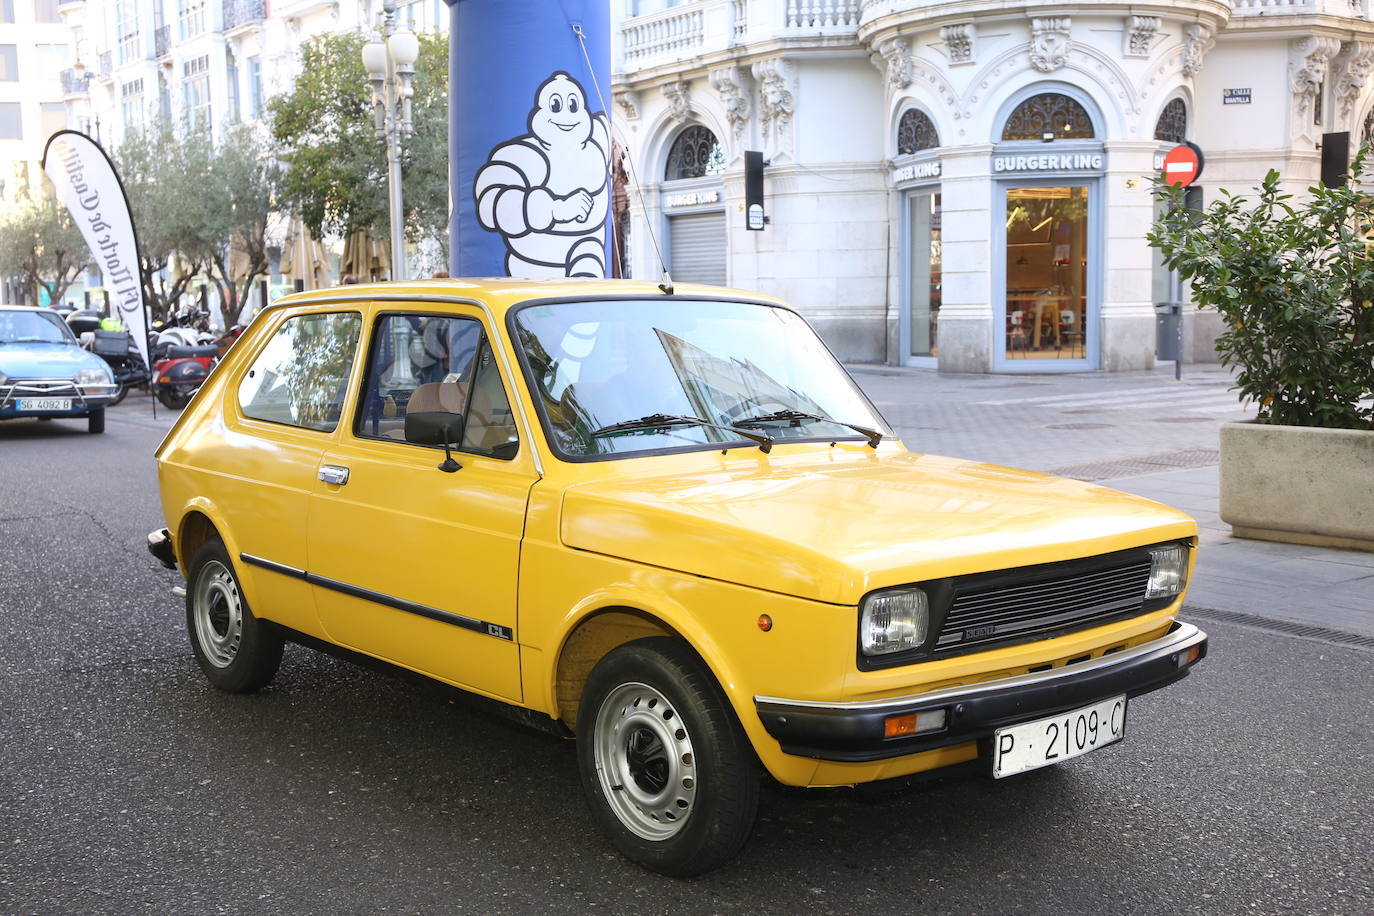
column 127, row 785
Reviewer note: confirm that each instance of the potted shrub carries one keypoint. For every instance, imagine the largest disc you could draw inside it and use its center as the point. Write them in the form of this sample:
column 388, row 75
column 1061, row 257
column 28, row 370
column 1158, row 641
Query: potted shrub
column 1294, row 283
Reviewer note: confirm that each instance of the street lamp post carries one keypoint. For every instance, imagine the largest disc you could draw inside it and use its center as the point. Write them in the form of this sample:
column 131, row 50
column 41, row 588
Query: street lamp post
column 389, row 57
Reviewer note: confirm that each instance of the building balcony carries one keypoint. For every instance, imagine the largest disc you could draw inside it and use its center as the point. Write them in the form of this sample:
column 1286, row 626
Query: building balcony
column 75, row 83
column 1357, row 9
column 711, row 26
column 241, row 13
column 162, row 42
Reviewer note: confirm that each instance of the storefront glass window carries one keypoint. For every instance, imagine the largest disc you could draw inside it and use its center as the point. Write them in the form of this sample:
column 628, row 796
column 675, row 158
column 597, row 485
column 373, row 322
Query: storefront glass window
column 1048, row 116
column 1047, row 273
column 695, row 153
column 916, row 132
column 925, row 273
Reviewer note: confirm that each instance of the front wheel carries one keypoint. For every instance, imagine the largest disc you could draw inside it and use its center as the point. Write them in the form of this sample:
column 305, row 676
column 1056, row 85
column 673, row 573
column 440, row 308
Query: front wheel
column 666, row 768
column 237, row 652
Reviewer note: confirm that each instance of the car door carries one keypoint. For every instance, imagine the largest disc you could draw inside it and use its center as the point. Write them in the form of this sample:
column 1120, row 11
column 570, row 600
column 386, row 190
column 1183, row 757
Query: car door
column 414, row 559
column 262, row 463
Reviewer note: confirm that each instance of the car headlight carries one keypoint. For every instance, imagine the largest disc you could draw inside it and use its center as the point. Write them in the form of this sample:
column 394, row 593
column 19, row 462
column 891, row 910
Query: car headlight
column 894, row 620
column 1168, row 571
column 93, row 377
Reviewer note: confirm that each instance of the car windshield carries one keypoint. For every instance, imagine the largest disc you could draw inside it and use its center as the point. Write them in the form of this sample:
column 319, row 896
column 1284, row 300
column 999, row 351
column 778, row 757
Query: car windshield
column 32, row 327
column 669, row 362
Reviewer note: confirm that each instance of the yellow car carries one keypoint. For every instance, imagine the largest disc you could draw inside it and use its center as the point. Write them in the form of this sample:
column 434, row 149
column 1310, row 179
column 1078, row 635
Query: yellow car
column 668, row 521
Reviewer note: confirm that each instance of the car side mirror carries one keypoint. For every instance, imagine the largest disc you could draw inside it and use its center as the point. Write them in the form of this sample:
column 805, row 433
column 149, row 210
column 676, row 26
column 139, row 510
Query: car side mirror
column 436, row 427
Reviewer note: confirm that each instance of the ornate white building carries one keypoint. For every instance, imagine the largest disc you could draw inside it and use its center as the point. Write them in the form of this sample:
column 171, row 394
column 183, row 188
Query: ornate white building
column 965, row 183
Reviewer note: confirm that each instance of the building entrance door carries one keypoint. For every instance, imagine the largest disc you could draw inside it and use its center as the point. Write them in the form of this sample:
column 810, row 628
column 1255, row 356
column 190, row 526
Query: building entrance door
column 1047, row 295
column 923, row 274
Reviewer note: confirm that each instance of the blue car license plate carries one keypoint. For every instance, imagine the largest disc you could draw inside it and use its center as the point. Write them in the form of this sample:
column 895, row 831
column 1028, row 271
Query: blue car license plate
column 45, row 404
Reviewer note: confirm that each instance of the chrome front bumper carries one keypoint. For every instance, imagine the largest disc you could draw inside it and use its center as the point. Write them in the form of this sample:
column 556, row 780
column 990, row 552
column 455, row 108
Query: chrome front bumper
column 854, row 731
column 84, row 397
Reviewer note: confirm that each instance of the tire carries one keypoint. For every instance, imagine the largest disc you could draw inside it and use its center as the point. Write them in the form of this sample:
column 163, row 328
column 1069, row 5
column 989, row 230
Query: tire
column 95, row 420
column 174, row 398
column 121, row 390
column 666, row 768
column 237, row 652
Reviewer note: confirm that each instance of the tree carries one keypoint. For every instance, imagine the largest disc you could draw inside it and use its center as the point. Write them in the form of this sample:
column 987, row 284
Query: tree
column 336, row 165
column 40, row 242
column 1294, row 282
column 241, row 181
column 164, row 175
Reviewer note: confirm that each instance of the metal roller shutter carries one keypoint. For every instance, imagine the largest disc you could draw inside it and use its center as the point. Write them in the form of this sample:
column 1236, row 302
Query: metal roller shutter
column 697, row 245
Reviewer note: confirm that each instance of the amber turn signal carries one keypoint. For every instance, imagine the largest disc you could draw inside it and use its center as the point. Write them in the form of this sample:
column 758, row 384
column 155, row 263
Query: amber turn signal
column 765, row 622
column 913, row 723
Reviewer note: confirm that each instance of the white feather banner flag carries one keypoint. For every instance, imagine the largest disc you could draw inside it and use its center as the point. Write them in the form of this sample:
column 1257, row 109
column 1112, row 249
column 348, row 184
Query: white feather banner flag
column 88, row 184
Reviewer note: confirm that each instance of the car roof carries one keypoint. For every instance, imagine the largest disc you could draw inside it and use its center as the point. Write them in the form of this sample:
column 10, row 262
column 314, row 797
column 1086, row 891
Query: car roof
column 25, row 308
column 503, row 293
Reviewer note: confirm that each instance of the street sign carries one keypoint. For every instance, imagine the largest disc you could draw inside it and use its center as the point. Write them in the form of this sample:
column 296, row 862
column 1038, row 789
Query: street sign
column 1183, row 164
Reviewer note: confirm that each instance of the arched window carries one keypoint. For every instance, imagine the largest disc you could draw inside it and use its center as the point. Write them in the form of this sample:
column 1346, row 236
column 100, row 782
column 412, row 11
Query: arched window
column 694, row 154
column 1172, row 125
column 916, row 132
column 1048, row 116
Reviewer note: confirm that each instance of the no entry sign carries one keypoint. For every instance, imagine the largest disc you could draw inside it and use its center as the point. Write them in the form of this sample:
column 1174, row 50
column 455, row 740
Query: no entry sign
column 1183, row 164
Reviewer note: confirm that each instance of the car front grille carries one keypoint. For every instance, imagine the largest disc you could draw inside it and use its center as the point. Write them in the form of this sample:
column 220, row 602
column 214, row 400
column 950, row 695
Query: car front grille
column 1059, row 598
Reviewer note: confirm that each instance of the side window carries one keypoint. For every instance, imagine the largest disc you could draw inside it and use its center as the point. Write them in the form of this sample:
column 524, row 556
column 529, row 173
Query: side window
column 301, row 376
column 438, row 366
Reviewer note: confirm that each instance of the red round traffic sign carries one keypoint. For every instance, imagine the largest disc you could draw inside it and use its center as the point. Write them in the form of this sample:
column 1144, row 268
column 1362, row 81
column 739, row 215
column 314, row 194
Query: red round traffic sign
column 1183, row 164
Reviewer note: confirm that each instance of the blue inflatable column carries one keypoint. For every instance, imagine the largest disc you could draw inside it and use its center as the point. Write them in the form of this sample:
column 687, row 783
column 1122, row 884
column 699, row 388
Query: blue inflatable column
column 529, row 137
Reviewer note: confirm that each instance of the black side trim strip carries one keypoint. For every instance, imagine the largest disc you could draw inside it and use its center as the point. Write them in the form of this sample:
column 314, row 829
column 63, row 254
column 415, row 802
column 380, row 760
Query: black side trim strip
column 400, row 604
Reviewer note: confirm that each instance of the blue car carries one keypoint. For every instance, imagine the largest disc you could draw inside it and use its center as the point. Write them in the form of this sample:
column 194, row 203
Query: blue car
column 44, row 372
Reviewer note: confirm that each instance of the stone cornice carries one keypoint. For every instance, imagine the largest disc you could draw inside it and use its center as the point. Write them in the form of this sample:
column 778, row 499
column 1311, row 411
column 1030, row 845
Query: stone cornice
column 878, row 24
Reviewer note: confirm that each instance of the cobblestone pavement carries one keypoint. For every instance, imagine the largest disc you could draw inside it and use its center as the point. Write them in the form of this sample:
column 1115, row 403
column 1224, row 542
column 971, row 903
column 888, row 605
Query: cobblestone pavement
column 1146, row 433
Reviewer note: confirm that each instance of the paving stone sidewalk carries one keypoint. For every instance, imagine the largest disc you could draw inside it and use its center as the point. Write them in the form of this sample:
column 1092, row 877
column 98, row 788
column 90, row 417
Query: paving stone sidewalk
column 1146, row 433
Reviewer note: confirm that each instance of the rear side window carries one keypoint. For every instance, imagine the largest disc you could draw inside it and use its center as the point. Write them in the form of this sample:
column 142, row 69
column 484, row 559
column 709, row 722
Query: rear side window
column 300, row 377
column 436, row 365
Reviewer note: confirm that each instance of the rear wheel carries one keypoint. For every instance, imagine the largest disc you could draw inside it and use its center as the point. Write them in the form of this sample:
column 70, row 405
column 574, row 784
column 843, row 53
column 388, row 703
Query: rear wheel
column 174, row 397
column 666, row 768
column 95, row 421
column 236, row 651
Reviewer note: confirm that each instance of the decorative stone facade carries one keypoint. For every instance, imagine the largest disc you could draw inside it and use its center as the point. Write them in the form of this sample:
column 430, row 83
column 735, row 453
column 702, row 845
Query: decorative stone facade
column 827, row 97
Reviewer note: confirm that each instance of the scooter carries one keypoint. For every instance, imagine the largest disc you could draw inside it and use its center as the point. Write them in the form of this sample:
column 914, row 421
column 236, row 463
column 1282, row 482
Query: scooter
column 179, row 375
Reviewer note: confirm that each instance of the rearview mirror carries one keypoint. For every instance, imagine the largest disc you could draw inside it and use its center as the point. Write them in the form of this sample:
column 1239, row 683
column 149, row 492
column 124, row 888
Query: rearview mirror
column 436, row 427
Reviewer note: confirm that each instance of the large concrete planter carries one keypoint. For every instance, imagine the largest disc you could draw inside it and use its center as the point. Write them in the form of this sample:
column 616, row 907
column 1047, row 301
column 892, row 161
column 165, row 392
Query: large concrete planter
column 1300, row 484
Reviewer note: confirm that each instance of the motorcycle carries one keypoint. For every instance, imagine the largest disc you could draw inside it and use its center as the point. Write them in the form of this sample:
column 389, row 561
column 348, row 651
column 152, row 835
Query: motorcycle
column 117, row 348
column 183, row 369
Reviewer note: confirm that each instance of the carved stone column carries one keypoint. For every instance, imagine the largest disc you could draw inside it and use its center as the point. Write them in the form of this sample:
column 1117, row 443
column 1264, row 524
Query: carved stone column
column 1350, row 71
column 729, row 83
column 1309, row 64
column 679, row 99
column 777, row 102
column 1049, row 43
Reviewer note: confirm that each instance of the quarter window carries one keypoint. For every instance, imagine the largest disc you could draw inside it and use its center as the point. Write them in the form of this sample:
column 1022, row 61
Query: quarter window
column 301, row 376
column 436, row 364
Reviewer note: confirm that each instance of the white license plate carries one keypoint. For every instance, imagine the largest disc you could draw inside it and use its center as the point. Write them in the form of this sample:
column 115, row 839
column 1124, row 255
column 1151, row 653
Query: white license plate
column 1031, row 745
column 45, row 403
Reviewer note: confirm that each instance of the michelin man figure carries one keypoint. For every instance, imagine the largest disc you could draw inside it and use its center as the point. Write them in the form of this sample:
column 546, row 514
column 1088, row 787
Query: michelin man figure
column 546, row 192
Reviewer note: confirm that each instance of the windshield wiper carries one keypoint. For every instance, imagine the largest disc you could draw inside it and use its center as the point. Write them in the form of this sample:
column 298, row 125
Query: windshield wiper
column 872, row 435
column 662, row 420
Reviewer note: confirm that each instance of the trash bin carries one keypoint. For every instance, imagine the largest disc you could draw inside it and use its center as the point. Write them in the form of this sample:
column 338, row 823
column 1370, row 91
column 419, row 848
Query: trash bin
column 1168, row 330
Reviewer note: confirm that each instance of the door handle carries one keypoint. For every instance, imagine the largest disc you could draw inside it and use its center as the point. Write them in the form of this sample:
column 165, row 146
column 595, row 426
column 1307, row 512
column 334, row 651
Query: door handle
column 333, row 473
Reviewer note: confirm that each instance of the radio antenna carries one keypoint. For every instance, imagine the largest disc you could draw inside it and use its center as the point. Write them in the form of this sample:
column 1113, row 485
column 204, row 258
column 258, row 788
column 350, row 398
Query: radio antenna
column 667, row 285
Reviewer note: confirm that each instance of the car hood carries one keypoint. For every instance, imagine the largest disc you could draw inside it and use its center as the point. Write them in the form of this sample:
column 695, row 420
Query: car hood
column 835, row 526
column 46, row 360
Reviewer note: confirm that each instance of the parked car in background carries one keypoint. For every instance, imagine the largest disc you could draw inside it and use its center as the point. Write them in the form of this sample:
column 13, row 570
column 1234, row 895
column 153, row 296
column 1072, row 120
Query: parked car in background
column 667, row 522
column 45, row 373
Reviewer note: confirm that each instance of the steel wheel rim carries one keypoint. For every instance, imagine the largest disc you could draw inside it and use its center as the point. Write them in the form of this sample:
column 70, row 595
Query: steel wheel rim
column 645, row 762
column 217, row 610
